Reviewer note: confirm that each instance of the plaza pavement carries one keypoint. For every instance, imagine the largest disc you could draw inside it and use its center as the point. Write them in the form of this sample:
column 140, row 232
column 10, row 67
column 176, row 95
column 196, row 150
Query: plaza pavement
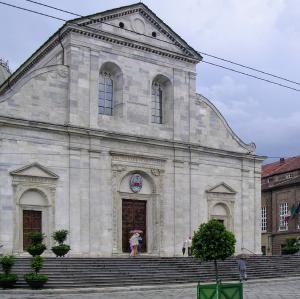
column 260, row 289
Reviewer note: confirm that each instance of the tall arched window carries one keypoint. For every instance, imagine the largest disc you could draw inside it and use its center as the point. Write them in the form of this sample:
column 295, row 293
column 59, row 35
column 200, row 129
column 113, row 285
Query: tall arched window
column 157, row 96
column 105, row 96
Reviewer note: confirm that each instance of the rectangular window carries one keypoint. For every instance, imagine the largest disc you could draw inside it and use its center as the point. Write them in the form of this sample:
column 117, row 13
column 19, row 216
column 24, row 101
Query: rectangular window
column 264, row 219
column 156, row 104
column 283, row 212
column 105, row 96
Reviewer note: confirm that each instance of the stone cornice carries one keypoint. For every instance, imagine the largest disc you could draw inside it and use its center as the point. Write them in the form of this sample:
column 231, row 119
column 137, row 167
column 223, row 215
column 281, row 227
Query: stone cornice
column 37, row 56
column 88, row 132
column 58, row 37
column 148, row 14
column 124, row 41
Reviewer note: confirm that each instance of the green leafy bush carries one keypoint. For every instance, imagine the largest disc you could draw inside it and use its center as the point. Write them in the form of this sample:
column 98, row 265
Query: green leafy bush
column 212, row 242
column 35, row 277
column 7, row 262
column 7, row 280
column 9, row 277
column 37, row 263
column 291, row 246
column 61, row 250
column 36, row 237
column 60, row 235
column 36, row 249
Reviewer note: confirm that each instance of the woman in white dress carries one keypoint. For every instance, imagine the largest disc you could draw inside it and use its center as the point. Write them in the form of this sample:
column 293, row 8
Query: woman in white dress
column 134, row 243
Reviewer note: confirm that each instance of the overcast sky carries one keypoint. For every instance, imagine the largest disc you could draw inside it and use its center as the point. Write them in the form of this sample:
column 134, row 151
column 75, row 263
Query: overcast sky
column 264, row 34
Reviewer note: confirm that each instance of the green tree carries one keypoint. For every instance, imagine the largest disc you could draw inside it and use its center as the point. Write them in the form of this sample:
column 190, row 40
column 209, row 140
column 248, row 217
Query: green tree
column 291, row 246
column 212, row 242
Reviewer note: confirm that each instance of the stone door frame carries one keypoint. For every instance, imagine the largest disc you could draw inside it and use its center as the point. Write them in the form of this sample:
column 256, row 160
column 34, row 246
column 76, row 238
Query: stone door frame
column 37, row 178
column 152, row 168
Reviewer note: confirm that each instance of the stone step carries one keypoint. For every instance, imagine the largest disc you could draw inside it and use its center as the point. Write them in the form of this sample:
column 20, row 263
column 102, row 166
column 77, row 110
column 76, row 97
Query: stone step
column 105, row 272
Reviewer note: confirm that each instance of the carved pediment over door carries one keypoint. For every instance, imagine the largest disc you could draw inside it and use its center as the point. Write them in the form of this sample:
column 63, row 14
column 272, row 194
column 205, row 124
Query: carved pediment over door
column 34, row 170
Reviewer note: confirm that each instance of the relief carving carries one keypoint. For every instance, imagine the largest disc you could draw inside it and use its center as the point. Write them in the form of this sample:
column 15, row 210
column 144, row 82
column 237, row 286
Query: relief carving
column 156, row 171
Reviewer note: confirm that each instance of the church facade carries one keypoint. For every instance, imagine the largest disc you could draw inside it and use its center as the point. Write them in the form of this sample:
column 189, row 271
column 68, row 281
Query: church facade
column 102, row 132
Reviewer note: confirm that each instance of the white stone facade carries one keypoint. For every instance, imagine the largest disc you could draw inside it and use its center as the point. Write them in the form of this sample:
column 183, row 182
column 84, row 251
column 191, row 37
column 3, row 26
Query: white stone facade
column 58, row 155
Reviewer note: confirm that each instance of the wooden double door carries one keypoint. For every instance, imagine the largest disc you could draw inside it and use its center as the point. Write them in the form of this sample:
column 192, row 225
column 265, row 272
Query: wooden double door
column 32, row 222
column 133, row 218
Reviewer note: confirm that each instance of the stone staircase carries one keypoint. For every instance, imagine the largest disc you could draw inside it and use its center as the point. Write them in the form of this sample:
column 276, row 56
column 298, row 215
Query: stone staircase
column 113, row 272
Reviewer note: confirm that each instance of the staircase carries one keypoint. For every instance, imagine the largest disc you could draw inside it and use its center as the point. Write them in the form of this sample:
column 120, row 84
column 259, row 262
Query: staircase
column 118, row 272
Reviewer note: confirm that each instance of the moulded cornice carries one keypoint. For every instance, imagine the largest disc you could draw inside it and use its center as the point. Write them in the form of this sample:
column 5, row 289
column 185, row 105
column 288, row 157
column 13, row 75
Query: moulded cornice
column 225, row 189
column 87, row 132
column 79, row 26
column 43, row 171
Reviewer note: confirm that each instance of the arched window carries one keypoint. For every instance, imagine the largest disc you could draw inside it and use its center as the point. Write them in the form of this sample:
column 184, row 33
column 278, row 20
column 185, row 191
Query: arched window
column 157, row 96
column 105, row 97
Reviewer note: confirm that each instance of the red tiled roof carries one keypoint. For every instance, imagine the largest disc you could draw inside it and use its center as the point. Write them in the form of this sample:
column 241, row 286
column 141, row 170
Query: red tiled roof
column 286, row 165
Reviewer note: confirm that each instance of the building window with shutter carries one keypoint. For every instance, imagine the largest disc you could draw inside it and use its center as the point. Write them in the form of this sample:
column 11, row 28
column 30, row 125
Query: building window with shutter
column 264, row 219
column 283, row 220
column 105, row 97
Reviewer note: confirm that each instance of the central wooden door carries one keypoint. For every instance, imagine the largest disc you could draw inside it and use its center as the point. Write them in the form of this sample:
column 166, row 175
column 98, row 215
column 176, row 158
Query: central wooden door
column 133, row 217
column 32, row 222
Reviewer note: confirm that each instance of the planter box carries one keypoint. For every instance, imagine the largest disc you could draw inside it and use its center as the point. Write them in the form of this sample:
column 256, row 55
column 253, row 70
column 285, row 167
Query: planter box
column 220, row 291
column 7, row 284
column 36, row 284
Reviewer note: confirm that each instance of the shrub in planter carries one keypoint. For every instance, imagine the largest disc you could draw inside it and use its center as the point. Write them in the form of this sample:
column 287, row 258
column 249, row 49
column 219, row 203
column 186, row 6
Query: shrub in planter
column 36, row 237
column 60, row 236
column 34, row 279
column 7, row 280
column 212, row 242
column 36, row 247
column 61, row 249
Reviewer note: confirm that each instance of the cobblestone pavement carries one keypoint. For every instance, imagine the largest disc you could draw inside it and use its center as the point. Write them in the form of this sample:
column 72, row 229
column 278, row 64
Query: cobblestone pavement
column 272, row 289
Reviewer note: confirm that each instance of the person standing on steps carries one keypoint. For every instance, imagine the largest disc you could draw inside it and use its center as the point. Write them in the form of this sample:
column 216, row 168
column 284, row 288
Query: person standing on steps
column 184, row 245
column 242, row 267
column 134, row 243
column 189, row 246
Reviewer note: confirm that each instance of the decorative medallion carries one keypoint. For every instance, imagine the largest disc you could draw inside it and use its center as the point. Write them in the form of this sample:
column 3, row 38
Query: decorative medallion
column 136, row 183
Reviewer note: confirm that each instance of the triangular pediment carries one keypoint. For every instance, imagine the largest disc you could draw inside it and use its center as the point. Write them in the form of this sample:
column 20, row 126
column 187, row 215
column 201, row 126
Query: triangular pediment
column 221, row 188
column 140, row 23
column 34, row 170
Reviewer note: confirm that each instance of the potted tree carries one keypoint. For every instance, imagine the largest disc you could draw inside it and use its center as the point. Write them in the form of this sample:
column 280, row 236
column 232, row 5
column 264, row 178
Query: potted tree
column 35, row 279
column 60, row 237
column 212, row 242
column 7, row 280
column 36, row 248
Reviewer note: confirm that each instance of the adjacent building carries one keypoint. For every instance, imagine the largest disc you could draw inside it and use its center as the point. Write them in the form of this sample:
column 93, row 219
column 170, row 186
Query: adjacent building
column 102, row 132
column 280, row 200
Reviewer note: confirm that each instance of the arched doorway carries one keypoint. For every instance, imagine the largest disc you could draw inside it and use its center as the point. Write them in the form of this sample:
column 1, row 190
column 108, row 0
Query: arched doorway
column 32, row 204
column 220, row 212
column 136, row 210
